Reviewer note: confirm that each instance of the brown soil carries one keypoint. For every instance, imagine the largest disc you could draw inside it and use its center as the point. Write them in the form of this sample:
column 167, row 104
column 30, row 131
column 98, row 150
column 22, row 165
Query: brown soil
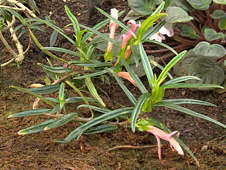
column 38, row 151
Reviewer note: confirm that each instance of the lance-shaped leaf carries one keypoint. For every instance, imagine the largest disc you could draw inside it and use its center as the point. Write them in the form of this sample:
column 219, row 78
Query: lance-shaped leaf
column 169, row 66
column 35, row 128
column 45, row 89
column 58, row 70
column 181, row 79
column 78, row 99
column 147, row 66
column 61, row 95
column 137, row 110
column 189, row 112
column 107, row 116
column 101, row 129
column 30, row 113
column 73, row 20
column 93, row 91
column 61, row 121
column 188, row 101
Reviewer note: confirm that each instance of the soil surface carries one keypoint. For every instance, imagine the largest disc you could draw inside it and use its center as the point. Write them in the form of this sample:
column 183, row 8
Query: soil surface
column 38, row 151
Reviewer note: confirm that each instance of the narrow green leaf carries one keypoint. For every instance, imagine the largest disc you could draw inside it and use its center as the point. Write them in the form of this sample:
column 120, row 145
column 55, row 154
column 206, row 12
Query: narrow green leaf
column 61, row 95
column 30, row 113
column 188, row 101
column 33, row 5
column 147, row 66
column 101, row 110
column 92, row 74
column 58, row 70
column 63, row 50
column 188, row 85
column 61, row 121
column 17, row 15
column 24, row 90
column 189, row 112
column 101, row 129
column 104, row 36
column 59, row 30
column 137, row 110
column 159, row 9
column 107, row 116
column 73, row 20
column 78, row 99
column 80, row 93
column 45, row 89
column 36, row 128
column 170, row 65
column 163, row 45
column 93, row 91
column 181, row 79
column 43, row 50
column 53, row 38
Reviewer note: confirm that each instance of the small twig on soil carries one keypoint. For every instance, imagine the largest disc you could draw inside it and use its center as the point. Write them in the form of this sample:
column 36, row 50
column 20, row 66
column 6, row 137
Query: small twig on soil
column 131, row 147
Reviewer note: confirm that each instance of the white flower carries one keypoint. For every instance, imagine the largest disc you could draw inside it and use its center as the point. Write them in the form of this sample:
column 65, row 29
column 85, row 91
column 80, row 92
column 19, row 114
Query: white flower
column 159, row 36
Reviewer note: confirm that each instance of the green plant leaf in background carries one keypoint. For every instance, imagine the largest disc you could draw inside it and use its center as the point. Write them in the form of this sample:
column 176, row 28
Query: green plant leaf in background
column 142, row 7
column 203, row 48
column 132, row 15
column 177, row 14
column 218, row 14
column 211, row 35
column 200, row 4
column 187, row 31
column 182, row 4
column 222, row 24
column 220, row 2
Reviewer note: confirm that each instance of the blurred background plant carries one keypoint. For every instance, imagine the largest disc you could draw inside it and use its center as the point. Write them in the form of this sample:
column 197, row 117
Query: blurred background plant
column 14, row 17
column 198, row 26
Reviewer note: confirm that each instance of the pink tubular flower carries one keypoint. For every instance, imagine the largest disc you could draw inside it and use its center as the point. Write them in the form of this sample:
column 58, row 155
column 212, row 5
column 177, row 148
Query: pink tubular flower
column 126, row 37
column 160, row 134
column 112, row 27
column 126, row 76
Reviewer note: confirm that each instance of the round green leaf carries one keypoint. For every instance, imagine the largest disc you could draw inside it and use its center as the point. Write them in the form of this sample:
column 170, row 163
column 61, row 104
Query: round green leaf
column 206, row 49
column 200, row 4
column 206, row 69
column 177, row 14
column 211, row 35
